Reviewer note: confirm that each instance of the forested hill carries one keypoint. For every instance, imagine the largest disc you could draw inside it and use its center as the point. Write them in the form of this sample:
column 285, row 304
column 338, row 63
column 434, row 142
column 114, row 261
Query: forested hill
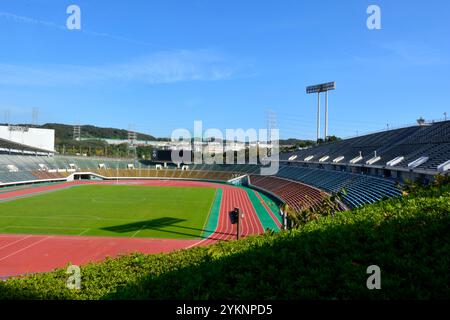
column 64, row 132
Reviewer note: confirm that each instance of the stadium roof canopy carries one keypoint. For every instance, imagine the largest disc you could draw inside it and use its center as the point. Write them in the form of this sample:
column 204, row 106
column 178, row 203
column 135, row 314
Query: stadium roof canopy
column 15, row 147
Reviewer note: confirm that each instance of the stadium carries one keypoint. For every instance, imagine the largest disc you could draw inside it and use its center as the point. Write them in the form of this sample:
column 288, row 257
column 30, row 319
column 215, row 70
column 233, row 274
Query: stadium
column 94, row 210
column 59, row 209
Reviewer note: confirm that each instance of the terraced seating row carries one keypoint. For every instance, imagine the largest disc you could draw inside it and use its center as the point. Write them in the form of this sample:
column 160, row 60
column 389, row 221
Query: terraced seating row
column 236, row 168
column 151, row 173
column 297, row 195
column 360, row 189
column 411, row 143
column 41, row 175
column 438, row 132
column 7, row 177
column 438, row 154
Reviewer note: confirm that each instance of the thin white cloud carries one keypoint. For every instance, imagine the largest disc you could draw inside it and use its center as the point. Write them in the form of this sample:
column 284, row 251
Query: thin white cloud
column 32, row 21
column 27, row 20
column 404, row 53
column 416, row 54
column 162, row 67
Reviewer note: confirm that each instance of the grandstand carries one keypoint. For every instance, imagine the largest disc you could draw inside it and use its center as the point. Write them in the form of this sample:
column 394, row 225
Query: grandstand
column 368, row 167
column 297, row 195
column 406, row 153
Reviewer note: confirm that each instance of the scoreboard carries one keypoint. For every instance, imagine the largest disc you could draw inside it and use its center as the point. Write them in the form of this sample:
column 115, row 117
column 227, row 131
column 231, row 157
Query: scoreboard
column 162, row 155
column 165, row 155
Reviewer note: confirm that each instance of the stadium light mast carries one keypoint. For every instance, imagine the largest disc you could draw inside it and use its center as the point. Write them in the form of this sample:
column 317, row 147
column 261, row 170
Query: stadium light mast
column 319, row 88
column 318, row 116
column 326, row 115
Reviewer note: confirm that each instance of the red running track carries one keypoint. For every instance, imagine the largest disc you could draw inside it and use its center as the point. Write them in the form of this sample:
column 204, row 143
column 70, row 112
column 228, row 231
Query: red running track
column 21, row 254
column 235, row 197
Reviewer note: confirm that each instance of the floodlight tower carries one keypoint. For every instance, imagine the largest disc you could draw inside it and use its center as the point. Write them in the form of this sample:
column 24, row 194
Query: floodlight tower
column 319, row 88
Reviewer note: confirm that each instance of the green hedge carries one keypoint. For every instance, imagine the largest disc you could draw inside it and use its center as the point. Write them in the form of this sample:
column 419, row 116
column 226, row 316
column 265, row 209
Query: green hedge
column 408, row 238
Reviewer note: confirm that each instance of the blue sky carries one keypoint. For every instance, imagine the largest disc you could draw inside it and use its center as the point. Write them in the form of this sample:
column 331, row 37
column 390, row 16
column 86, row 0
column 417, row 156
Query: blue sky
column 160, row 65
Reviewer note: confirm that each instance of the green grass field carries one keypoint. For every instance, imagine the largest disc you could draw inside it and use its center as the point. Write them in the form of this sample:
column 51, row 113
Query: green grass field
column 126, row 211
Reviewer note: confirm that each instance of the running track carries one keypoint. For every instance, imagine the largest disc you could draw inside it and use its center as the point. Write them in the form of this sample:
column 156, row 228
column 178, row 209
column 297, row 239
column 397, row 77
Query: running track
column 21, row 254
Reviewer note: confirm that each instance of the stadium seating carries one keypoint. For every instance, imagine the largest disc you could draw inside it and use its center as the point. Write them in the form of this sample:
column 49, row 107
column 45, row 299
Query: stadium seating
column 297, row 195
column 295, row 178
column 336, row 167
column 165, row 174
column 361, row 189
column 428, row 140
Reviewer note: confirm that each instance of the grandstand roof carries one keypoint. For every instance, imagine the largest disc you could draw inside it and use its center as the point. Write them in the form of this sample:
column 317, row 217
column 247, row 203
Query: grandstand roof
column 20, row 148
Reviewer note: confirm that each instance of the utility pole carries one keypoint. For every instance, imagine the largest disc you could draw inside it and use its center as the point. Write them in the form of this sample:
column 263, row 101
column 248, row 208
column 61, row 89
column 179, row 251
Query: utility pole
column 236, row 219
column 239, row 217
column 117, row 171
column 238, row 235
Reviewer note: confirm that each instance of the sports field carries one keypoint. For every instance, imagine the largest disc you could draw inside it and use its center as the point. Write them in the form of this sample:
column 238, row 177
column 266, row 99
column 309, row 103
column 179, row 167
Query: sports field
column 111, row 210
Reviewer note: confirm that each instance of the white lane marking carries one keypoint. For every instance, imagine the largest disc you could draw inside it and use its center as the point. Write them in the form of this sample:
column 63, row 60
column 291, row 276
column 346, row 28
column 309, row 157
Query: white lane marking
column 25, row 248
column 10, row 244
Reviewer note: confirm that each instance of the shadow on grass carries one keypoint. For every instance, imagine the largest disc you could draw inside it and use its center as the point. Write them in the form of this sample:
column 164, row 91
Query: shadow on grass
column 160, row 224
column 153, row 224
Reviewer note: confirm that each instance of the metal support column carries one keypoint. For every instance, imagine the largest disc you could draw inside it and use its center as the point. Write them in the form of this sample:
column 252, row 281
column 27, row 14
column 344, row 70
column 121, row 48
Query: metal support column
column 326, row 116
column 318, row 116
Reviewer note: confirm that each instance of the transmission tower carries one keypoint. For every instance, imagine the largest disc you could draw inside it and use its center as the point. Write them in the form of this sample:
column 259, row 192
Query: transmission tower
column 7, row 115
column 77, row 132
column 132, row 139
column 271, row 123
column 35, row 116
